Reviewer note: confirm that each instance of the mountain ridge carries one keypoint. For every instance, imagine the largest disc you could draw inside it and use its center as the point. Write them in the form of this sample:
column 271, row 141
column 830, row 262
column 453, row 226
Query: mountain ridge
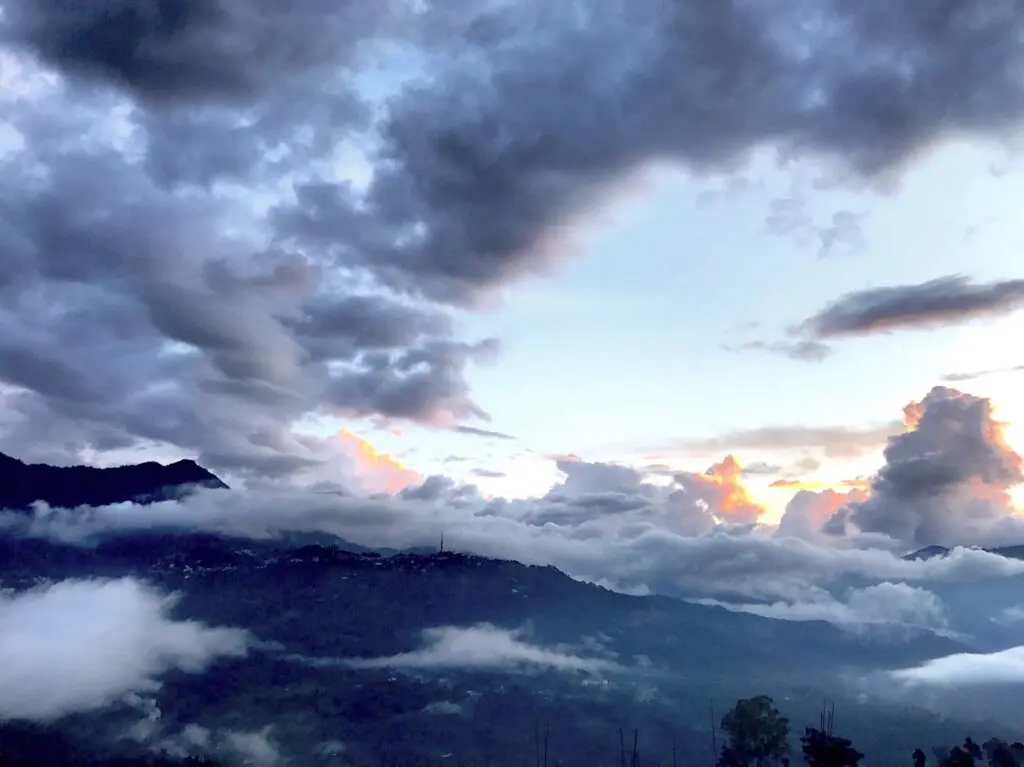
column 1013, row 551
column 23, row 484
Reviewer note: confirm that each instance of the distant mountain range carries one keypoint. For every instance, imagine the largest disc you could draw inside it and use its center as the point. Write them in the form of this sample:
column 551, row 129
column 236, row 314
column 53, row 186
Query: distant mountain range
column 930, row 552
column 318, row 604
column 22, row 484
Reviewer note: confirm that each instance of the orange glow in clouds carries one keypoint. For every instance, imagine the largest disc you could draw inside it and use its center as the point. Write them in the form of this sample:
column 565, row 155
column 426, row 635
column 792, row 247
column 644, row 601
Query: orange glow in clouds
column 731, row 497
column 796, row 484
column 379, row 472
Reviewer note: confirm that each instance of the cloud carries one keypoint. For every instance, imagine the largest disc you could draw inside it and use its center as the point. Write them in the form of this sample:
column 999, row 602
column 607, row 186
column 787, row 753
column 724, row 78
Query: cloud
column 180, row 323
column 184, row 52
column 663, row 81
column 254, row 747
column 488, row 473
column 885, row 604
column 221, row 220
column 377, row 472
column 721, row 489
column 788, row 217
column 946, row 480
column 975, row 374
column 123, row 640
column 832, row 441
column 691, row 503
column 694, row 534
column 472, row 430
column 809, row 510
column 937, row 302
column 653, row 547
column 966, row 669
column 484, row 646
column 800, row 484
column 804, row 350
column 760, row 468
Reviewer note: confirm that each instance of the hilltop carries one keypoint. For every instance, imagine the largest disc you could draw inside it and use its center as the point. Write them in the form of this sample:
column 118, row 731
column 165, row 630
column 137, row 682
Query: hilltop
column 22, row 484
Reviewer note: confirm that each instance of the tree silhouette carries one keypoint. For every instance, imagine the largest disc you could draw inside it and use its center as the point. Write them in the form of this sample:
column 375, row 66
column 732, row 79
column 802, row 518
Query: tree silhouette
column 963, row 756
column 1002, row 754
column 757, row 735
column 823, row 749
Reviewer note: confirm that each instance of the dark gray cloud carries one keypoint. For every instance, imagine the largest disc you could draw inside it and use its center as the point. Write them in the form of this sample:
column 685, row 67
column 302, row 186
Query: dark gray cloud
column 597, row 492
column 186, row 265
column 942, row 301
column 934, row 303
column 188, row 50
column 945, row 479
column 485, row 161
column 135, row 315
column 476, row 432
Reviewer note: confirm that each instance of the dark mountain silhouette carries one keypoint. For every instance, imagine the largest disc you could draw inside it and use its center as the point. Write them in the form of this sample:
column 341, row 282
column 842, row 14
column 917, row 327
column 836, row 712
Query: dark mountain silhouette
column 22, row 484
column 928, row 552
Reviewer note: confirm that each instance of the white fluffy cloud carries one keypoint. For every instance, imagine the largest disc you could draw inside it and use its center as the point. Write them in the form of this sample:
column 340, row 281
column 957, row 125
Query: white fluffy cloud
column 484, row 646
column 79, row 645
column 632, row 554
column 967, row 669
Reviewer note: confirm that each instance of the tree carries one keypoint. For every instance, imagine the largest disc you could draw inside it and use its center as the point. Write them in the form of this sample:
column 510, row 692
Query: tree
column 757, row 735
column 823, row 749
column 1002, row 754
column 963, row 756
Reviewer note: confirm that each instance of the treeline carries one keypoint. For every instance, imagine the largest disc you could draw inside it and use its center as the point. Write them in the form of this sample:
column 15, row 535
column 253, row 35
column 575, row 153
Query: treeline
column 756, row 734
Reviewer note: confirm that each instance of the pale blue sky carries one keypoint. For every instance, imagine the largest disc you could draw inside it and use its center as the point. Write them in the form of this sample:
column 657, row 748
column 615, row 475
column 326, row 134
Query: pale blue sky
column 624, row 343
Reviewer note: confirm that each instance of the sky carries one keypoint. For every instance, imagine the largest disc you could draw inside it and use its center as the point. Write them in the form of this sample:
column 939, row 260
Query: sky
column 720, row 301
column 525, row 249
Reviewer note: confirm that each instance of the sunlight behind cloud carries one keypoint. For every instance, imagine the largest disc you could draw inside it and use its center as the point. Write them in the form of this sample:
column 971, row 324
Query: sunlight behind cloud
column 379, row 472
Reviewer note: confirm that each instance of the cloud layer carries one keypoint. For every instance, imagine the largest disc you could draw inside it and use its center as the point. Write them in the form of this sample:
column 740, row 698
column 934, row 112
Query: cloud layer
column 80, row 645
